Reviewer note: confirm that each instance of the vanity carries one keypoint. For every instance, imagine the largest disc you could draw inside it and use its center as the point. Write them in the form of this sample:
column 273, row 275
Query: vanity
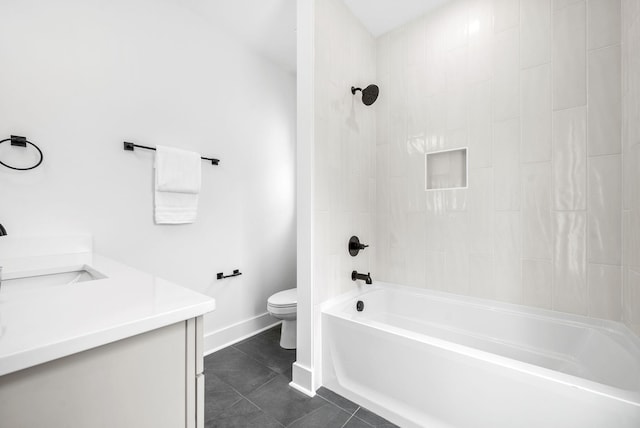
column 86, row 341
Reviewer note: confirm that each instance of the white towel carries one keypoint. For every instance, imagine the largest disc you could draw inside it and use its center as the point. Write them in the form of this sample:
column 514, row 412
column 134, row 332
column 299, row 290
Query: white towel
column 177, row 184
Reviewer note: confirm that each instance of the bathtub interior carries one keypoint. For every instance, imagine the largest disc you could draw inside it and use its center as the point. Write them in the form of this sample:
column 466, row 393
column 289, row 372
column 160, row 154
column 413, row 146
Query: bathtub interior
column 602, row 352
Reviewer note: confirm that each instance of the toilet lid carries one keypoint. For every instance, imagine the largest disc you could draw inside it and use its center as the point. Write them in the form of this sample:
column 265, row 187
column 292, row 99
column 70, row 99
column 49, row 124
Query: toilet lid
column 284, row 298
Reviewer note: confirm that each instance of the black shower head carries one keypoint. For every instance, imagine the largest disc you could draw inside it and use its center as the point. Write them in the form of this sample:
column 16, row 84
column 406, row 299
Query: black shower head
column 369, row 94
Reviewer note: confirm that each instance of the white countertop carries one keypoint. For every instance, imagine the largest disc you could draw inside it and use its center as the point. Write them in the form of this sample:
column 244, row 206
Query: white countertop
column 41, row 324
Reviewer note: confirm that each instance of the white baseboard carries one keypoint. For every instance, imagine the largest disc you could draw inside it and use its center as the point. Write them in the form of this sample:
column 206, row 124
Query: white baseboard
column 302, row 380
column 234, row 333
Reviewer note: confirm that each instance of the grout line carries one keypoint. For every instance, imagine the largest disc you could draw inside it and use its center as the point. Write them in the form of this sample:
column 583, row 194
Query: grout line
column 310, row 413
column 335, row 404
column 242, row 396
column 249, row 400
column 345, row 424
column 600, row 48
column 553, row 110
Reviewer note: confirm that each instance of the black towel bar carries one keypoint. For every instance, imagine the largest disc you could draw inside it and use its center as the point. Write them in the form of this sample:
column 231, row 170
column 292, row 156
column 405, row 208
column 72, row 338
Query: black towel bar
column 130, row 146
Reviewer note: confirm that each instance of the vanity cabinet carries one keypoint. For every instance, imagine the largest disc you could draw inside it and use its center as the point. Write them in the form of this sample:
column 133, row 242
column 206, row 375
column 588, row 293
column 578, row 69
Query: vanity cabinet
column 153, row 379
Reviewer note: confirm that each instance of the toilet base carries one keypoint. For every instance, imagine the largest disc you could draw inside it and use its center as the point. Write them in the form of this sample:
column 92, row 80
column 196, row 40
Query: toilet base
column 288, row 334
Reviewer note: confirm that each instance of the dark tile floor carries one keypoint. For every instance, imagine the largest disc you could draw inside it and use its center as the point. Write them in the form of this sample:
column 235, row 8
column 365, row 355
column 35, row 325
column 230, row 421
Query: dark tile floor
column 247, row 385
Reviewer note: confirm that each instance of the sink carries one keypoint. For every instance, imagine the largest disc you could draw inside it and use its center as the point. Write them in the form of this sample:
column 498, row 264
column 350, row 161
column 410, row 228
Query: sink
column 30, row 280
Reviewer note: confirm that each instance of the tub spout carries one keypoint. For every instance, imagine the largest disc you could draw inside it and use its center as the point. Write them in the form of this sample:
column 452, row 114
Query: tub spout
column 366, row 278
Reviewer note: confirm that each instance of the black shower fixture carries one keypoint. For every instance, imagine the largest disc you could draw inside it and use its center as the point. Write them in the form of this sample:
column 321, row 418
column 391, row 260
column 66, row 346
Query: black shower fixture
column 369, row 94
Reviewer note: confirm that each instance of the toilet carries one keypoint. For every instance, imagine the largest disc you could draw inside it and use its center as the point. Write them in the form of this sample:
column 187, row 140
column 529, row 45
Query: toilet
column 284, row 305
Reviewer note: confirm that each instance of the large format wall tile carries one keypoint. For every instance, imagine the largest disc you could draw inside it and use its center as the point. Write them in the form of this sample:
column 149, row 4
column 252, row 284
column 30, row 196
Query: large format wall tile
column 345, row 155
column 570, row 262
column 535, row 32
column 605, row 291
column 569, row 56
column 506, row 14
column 605, row 101
column 604, row 23
column 605, row 193
column 506, row 75
column 480, row 129
column 536, row 211
column 537, row 280
column 536, row 114
column 559, row 4
column 506, row 163
column 481, row 280
column 507, row 256
column 534, row 89
column 481, row 210
column 632, row 300
column 570, row 159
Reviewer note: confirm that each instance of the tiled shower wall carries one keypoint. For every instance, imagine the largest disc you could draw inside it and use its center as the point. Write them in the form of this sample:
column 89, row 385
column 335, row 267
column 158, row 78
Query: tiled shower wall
column 344, row 147
column 631, row 157
column 533, row 89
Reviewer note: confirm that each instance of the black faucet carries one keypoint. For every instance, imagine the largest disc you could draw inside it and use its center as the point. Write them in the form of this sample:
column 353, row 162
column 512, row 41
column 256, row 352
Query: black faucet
column 355, row 246
column 3, row 231
column 366, row 278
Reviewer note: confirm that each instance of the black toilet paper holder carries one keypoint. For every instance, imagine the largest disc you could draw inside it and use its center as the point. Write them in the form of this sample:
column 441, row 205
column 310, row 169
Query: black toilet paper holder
column 236, row 272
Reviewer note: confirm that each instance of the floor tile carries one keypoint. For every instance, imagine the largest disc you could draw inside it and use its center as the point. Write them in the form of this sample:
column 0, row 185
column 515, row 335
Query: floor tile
column 284, row 403
column 338, row 400
column 243, row 415
column 265, row 348
column 372, row 419
column 327, row 416
column 235, row 368
column 219, row 396
column 356, row 423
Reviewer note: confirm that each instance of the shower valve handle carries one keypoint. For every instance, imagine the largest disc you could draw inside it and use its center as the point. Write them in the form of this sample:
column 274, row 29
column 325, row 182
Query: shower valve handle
column 355, row 246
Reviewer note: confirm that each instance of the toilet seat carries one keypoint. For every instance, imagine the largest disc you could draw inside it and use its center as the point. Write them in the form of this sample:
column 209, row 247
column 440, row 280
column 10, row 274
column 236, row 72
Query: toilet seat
column 287, row 299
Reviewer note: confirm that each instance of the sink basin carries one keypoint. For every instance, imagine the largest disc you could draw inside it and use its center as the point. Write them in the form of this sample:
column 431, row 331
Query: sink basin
column 50, row 277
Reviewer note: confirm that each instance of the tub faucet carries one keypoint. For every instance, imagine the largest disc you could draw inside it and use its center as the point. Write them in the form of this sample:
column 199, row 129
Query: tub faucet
column 366, row 278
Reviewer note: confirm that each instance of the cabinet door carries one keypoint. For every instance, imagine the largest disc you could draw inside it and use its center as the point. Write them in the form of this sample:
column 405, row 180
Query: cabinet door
column 136, row 382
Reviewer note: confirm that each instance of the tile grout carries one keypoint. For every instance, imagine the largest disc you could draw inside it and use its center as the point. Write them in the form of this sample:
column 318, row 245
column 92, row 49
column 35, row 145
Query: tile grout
column 249, row 400
column 307, row 414
column 341, row 408
column 345, row 424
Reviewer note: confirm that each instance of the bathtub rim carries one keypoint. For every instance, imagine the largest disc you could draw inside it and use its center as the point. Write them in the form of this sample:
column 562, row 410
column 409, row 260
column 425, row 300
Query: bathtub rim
column 336, row 307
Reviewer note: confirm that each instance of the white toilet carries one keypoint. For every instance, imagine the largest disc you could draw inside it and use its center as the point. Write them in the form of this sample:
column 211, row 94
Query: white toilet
column 284, row 305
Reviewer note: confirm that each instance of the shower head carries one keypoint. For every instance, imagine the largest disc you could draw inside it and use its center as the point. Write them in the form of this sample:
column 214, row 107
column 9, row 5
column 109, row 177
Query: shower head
column 369, row 94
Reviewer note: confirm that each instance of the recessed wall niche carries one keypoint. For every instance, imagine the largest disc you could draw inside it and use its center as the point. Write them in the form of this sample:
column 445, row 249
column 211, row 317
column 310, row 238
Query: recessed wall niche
column 446, row 169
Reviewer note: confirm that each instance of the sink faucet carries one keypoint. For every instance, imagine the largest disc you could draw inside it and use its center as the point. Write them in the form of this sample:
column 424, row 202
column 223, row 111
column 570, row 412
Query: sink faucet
column 366, row 278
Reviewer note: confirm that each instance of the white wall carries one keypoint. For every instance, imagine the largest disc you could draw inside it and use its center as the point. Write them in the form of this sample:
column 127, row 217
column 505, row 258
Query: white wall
column 532, row 87
column 78, row 78
column 631, row 157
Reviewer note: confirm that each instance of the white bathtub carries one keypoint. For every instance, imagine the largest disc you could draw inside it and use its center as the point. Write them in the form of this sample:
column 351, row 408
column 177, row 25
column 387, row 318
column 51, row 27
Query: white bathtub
column 429, row 359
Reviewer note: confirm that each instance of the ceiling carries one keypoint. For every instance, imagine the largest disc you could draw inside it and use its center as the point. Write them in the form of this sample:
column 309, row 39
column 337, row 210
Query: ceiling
column 269, row 26
column 381, row 16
